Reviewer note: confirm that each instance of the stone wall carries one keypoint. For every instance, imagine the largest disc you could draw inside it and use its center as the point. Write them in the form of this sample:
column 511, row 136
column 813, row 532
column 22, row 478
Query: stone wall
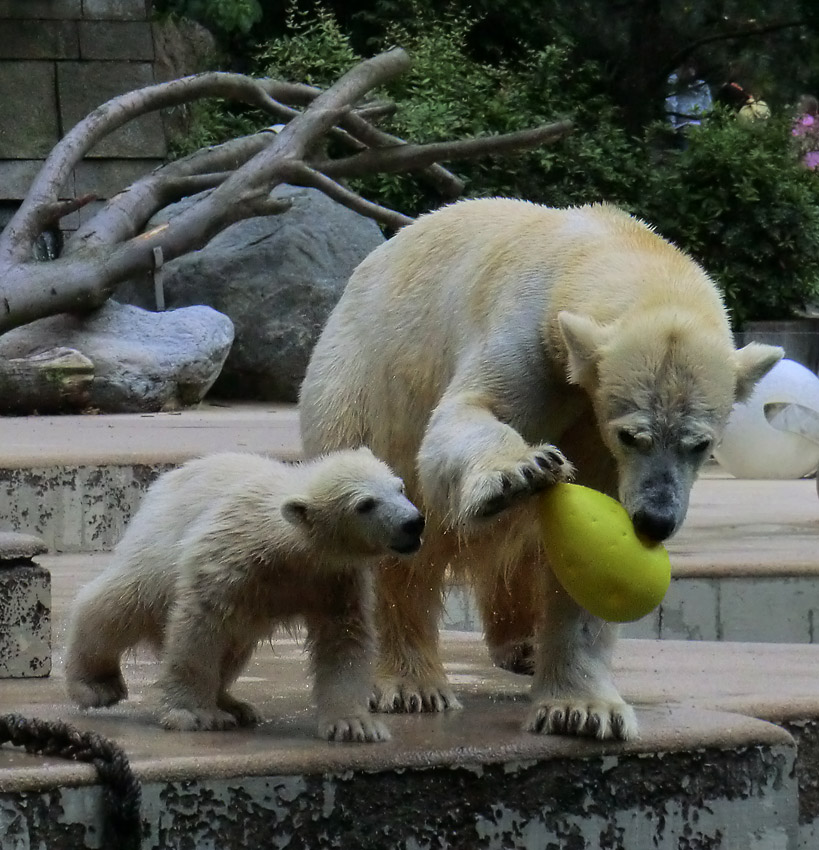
column 60, row 59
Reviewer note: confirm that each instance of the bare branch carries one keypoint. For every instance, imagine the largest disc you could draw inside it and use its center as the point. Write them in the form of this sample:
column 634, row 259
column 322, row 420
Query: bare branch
column 366, row 135
column 85, row 279
column 17, row 239
column 408, row 157
column 300, row 174
column 52, row 213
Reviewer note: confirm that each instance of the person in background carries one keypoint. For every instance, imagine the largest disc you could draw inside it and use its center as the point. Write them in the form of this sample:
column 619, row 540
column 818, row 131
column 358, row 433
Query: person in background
column 689, row 99
column 748, row 108
column 806, row 131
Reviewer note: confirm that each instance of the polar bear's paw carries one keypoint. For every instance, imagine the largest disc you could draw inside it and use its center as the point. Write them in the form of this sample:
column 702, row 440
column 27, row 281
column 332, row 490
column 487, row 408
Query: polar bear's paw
column 98, row 692
column 408, row 696
column 356, row 728
column 487, row 492
column 515, row 656
column 198, row 720
column 604, row 720
column 245, row 713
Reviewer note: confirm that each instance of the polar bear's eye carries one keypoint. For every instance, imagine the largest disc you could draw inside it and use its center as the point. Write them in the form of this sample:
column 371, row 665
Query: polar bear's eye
column 365, row 505
column 627, row 439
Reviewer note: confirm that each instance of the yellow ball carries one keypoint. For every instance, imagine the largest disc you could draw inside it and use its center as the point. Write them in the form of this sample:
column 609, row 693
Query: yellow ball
column 598, row 557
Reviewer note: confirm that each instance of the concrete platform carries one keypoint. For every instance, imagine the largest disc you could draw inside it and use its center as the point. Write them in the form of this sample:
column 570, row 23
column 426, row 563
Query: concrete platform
column 729, row 751
column 704, row 771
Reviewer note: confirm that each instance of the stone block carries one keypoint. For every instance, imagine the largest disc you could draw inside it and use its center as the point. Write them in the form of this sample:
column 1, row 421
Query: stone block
column 28, row 39
column 25, row 621
column 768, row 610
column 41, row 9
column 690, row 610
column 115, row 10
column 83, row 86
column 104, row 178
column 16, row 176
column 26, row 132
column 16, row 547
column 116, row 40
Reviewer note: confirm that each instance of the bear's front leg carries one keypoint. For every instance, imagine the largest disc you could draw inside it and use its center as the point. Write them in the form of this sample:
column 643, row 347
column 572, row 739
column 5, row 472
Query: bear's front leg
column 573, row 692
column 341, row 641
column 472, row 466
column 410, row 676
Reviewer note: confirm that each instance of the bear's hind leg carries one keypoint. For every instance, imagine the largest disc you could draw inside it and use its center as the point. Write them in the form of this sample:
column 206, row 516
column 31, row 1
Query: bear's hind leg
column 105, row 622
column 507, row 597
column 410, row 675
column 573, row 692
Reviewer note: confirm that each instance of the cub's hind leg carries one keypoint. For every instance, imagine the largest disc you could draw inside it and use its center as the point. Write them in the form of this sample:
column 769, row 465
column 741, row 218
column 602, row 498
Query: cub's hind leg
column 107, row 620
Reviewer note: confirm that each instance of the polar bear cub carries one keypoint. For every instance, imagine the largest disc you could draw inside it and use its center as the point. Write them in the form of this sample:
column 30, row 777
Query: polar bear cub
column 224, row 549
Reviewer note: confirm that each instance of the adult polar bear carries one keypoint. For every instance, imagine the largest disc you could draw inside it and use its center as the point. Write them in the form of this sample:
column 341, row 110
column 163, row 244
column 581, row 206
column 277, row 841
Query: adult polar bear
column 461, row 352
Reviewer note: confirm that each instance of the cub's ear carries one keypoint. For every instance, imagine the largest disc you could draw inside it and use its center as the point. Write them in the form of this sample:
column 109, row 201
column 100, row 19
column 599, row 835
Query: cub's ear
column 753, row 362
column 584, row 338
column 296, row 511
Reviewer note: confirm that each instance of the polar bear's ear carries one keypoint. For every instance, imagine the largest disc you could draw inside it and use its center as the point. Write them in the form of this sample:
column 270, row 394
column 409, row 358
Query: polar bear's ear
column 296, row 511
column 753, row 362
column 584, row 339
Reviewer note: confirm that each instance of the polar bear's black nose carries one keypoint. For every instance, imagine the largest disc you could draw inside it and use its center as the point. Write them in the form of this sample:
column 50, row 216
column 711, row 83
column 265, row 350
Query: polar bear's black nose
column 414, row 526
column 655, row 526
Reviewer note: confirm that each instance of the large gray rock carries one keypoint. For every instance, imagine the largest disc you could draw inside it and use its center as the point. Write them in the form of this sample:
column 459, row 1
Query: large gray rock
column 142, row 361
column 278, row 278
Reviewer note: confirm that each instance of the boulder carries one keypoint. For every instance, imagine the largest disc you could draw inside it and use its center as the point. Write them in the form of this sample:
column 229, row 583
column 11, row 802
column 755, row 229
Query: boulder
column 142, row 361
column 277, row 277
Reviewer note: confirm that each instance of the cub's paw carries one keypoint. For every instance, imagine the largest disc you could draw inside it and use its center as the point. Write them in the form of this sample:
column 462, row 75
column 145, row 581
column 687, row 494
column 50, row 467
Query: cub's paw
column 98, row 692
column 408, row 696
column 605, row 720
column 245, row 713
column 515, row 656
column 488, row 492
column 356, row 728
column 197, row 720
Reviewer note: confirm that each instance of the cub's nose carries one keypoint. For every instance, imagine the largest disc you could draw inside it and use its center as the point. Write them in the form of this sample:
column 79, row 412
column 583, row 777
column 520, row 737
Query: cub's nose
column 414, row 527
column 655, row 526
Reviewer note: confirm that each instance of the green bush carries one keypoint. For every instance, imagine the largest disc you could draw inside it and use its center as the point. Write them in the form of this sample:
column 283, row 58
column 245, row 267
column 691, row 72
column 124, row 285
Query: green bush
column 737, row 199
column 223, row 16
column 447, row 94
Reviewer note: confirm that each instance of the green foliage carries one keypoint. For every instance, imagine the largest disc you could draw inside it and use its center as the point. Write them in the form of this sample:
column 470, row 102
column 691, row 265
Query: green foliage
column 223, row 16
column 314, row 50
column 737, row 199
column 448, row 94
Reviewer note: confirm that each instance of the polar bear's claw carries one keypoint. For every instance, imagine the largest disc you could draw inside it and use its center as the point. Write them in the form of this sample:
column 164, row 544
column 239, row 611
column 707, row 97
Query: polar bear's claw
column 489, row 491
column 404, row 696
column 358, row 728
column 595, row 719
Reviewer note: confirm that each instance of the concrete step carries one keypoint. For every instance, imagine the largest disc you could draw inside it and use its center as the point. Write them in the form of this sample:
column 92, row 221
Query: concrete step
column 719, row 763
column 745, row 563
column 75, row 481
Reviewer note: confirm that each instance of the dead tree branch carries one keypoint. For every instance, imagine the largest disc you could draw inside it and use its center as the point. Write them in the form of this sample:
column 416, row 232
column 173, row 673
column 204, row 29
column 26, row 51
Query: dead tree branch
column 240, row 175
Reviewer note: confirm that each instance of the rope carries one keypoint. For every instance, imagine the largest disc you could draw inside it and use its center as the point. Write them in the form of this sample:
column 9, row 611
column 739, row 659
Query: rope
column 122, row 825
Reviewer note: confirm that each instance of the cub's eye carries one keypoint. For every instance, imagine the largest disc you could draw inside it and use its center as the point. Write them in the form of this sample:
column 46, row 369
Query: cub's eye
column 365, row 505
column 627, row 439
column 701, row 447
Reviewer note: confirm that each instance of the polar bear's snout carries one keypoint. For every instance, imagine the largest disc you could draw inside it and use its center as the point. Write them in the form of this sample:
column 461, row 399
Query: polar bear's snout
column 656, row 524
column 407, row 538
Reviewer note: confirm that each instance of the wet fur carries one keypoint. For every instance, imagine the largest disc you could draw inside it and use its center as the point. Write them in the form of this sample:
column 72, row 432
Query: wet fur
column 478, row 352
